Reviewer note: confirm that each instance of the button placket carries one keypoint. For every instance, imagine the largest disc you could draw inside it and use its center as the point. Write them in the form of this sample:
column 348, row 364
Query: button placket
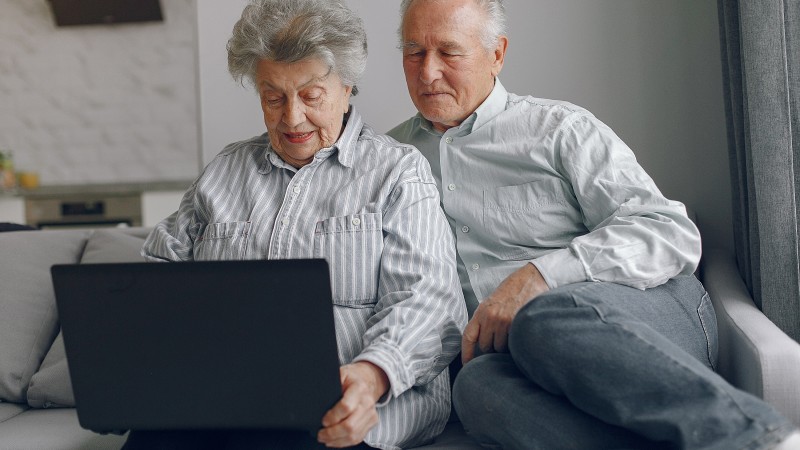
column 292, row 203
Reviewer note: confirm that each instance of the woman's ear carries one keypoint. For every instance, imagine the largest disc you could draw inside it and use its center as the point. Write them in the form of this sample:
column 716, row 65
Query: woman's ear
column 348, row 90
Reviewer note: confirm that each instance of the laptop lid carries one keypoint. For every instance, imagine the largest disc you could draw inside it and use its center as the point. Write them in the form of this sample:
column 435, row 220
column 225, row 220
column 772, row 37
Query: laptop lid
column 199, row 345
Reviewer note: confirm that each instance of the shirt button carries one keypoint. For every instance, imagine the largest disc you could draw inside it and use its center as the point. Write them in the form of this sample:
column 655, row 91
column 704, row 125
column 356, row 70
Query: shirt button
column 476, row 267
column 465, row 229
column 356, row 221
column 448, row 139
column 451, row 187
column 296, row 189
column 285, row 221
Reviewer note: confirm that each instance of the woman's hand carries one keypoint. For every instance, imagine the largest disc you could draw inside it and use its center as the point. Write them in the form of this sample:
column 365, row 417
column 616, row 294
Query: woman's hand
column 347, row 423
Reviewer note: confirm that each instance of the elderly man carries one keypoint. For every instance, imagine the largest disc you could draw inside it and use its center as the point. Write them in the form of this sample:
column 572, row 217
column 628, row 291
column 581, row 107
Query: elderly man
column 591, row 329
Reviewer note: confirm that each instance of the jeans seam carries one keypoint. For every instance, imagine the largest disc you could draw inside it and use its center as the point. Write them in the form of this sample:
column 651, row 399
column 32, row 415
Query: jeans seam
column 705, row 331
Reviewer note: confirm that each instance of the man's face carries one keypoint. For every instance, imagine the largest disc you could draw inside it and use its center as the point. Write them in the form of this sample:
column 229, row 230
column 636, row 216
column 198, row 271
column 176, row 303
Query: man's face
column 448, row 71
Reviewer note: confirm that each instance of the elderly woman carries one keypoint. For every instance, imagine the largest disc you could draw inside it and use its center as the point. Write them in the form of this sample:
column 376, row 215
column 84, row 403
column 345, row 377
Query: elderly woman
column 320, row 183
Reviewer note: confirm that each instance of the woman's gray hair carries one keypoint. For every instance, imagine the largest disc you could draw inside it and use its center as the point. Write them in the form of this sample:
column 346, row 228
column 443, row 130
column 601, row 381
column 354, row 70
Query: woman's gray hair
column 295, row 30
column 495, row 25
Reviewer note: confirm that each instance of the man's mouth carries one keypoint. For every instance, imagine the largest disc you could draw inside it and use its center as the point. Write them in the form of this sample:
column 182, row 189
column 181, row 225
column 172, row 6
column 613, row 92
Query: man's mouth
column 433, row 95
column 298, row 138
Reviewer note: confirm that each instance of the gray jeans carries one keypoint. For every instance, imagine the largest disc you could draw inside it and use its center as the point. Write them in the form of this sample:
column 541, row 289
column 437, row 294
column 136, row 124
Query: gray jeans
column 602, row 366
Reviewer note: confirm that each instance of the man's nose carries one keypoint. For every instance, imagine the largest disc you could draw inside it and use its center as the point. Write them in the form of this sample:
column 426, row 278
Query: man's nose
column 431, row 69
column 294, row 114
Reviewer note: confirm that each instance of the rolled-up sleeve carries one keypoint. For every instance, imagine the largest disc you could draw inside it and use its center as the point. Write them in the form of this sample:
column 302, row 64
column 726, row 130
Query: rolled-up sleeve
column 636, row 236
column 173, row 238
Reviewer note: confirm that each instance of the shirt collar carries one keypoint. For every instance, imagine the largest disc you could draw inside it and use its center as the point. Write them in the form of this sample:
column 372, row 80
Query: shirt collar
column 343, row 147
column 494, row 104
column 347, row 141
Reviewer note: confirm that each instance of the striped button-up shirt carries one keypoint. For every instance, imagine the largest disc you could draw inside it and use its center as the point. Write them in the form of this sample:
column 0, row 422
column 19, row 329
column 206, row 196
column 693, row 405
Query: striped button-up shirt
column 525, row 179
column 370, row 206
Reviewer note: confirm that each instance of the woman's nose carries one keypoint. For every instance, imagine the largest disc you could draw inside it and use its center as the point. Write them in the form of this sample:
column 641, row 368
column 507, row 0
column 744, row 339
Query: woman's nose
column 294, row 114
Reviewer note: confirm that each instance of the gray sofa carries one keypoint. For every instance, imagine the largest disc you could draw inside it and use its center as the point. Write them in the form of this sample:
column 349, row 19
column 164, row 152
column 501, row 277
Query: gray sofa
column 35, row 392
column 36, row 396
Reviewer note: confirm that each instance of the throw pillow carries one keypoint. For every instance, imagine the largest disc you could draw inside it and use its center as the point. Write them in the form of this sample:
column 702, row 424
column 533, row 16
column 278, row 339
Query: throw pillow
column 51, row 385
column 28, row 318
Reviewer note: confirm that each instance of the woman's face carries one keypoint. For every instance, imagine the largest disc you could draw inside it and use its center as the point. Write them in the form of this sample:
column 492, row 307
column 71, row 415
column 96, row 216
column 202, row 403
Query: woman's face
column 304, row 104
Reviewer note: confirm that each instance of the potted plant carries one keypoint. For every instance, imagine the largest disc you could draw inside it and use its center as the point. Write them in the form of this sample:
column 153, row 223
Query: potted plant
column 7, row 179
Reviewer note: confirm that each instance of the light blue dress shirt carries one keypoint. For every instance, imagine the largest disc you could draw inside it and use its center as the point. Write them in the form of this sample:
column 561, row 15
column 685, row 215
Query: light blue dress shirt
column 525, row 179
column 370, row 207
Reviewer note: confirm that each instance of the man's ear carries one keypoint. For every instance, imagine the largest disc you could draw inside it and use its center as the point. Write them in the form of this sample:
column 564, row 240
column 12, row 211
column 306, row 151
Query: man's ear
column 499, row 55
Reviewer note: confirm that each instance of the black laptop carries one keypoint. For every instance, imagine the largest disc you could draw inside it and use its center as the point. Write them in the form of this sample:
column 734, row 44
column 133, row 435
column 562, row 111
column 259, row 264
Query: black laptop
column 199, row 345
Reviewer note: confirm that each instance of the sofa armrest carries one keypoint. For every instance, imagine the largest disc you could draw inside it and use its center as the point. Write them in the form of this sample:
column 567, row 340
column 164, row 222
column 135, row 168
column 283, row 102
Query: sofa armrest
column 754, row 354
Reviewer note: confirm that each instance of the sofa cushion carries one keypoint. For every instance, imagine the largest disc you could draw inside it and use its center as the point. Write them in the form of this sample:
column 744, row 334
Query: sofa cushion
column 115, row 245
column 51, row 385
column 9, row 410
column 53, row 429
column 28, row 319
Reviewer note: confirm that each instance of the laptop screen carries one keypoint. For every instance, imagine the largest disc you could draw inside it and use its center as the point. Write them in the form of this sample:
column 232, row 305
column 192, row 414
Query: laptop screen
column 222, row 344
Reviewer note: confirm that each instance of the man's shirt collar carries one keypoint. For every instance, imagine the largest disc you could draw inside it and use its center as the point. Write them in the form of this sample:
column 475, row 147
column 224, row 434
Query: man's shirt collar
column 494, row 104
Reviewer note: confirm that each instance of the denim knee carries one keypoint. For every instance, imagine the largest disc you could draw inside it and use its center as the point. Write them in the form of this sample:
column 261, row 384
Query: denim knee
column 470, row 379
column 481, row 396
column 539, row 325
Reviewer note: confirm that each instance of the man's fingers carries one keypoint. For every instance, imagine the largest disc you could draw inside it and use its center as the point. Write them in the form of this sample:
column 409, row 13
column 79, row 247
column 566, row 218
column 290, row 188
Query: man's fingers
column 486, row 339
column 501, row 340
column 468, row 340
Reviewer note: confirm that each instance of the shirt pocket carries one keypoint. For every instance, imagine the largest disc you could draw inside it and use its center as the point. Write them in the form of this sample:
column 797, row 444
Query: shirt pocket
column 353, row 246
column 531, row 217
column 222, row 241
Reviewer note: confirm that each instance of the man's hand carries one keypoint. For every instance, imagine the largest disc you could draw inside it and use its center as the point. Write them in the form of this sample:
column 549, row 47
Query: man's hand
column 347, row 423
column 489, row 326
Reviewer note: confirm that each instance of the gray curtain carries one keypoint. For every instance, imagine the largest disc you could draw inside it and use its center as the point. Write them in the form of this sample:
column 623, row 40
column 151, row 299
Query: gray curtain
column 760, row 42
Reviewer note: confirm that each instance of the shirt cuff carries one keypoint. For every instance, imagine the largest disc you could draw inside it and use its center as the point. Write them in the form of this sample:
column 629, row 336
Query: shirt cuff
column 387, row 359
column 560, row 267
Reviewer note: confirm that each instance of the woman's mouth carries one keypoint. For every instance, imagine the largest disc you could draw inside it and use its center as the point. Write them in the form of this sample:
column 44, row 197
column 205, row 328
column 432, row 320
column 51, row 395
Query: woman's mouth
column 298, row 138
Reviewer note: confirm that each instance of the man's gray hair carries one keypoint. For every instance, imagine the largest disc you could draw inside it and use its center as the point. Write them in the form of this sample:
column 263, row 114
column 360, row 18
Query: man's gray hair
column 295, row 30
column 495, row 25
